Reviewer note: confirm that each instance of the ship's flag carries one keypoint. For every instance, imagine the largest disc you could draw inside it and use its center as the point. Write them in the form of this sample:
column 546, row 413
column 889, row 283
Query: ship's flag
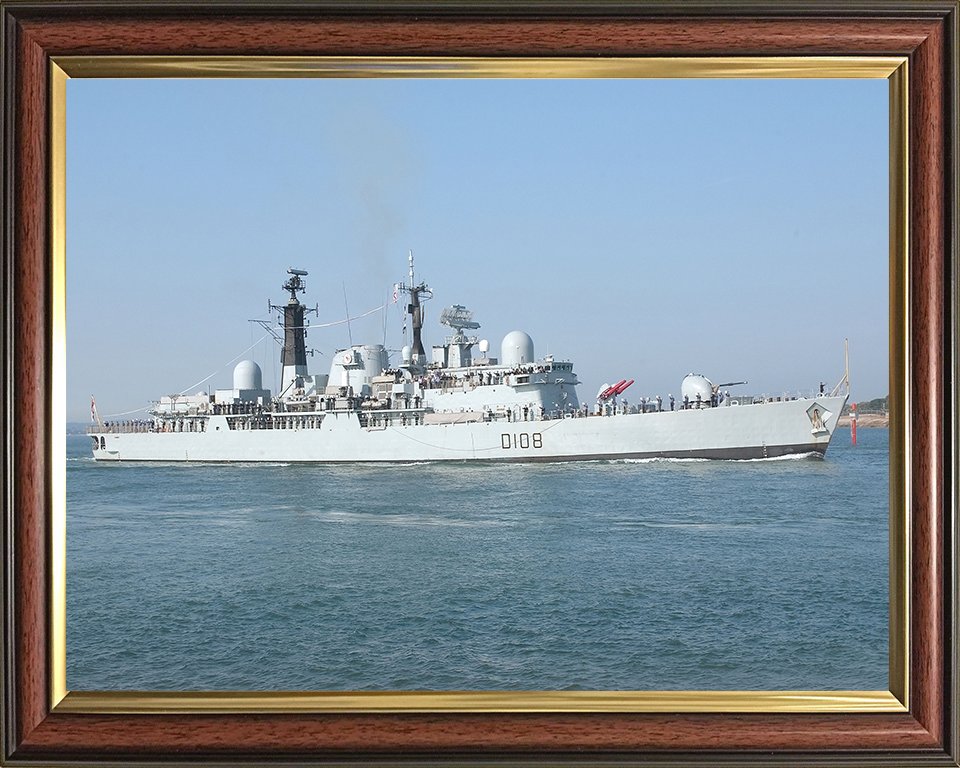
column 93, row 410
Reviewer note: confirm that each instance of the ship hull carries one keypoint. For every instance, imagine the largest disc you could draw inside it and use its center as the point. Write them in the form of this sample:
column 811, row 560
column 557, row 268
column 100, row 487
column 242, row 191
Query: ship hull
column 756, row 431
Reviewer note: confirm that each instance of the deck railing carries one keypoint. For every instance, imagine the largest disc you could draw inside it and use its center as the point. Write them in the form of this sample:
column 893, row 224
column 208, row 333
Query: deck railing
column 121, row 427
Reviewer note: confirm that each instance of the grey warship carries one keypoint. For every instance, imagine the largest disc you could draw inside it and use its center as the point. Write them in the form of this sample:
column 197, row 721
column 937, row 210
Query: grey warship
column 455, row 406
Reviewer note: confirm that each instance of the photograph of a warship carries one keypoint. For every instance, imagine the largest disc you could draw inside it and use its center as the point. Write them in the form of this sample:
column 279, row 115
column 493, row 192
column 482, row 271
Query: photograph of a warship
column 456, row 407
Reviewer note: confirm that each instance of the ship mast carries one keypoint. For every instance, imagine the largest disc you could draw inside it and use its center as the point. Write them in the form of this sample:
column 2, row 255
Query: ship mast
column 293, row 357
column 418, row 355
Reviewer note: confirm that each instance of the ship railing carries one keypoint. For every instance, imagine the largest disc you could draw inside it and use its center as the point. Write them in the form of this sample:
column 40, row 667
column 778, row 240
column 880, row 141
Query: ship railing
column 651, row 406
column 270, row 420
column 394, row 417
column 120, row 427
column 742, row 400
column 293, row 420
column 781, row 397
column 448, row 383
column 516, row 414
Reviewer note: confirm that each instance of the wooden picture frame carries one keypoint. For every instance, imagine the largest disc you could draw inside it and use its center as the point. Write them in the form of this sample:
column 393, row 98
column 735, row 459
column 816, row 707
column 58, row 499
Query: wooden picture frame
column 39, row 729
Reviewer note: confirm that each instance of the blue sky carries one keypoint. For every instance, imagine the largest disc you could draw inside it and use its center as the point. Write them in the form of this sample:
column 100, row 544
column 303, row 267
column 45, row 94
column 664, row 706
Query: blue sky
column 644, row 229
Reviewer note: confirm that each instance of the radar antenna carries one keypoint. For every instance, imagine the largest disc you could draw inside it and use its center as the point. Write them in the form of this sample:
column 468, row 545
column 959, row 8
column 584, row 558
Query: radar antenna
column 459, row 317
column 295, row 283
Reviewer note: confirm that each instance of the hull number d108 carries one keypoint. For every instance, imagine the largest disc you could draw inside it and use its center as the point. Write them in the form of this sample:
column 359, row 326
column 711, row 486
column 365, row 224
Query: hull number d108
column 521, row 440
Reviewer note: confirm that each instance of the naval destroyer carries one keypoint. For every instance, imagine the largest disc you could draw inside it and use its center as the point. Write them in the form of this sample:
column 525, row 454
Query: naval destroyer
column 455, row 407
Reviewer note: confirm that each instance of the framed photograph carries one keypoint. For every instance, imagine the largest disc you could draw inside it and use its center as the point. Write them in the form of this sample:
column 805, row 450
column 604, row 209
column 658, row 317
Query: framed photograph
column 910, row 49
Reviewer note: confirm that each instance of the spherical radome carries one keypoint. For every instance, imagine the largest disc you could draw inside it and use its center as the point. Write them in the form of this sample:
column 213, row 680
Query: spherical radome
column 516, row 349
column 247, row 375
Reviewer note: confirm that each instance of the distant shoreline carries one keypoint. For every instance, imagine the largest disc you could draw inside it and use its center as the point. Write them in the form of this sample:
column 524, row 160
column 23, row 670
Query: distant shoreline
column 867, row 420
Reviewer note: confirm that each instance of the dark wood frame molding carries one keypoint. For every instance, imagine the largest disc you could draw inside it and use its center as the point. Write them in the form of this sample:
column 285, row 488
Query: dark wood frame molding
column 925, row 32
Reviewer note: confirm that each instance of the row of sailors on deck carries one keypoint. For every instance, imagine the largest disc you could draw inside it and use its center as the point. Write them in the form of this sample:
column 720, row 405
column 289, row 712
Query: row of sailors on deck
column 716, row 399
column 444, row 380
column 437, row 379
column 133, row 425
column 646, row 404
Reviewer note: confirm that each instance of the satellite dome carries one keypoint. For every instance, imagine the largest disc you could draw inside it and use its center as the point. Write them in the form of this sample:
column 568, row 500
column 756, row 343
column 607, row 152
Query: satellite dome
column 247, row 375
column 516, row 349
column 484, row 347
column 406, row 354
column 694, row 383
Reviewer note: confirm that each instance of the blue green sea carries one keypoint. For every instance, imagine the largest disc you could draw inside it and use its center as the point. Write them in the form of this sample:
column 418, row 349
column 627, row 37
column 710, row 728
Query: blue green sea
column 624, row 575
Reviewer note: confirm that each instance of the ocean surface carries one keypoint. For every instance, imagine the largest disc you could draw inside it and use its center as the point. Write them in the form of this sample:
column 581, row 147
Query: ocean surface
column 624, row 575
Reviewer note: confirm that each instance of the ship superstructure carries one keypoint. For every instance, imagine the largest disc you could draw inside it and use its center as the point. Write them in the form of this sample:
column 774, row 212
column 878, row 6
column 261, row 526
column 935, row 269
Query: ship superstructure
column 454, row 406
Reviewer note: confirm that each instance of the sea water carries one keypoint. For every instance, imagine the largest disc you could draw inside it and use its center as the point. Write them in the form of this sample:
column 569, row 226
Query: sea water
column 622, row 575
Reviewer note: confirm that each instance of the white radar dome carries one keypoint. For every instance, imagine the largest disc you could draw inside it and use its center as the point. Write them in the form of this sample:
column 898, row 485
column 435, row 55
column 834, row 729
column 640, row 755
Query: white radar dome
column 247, row 375
column 516, row 349
column 407, row 354
column 484, row 346
column 694, row 384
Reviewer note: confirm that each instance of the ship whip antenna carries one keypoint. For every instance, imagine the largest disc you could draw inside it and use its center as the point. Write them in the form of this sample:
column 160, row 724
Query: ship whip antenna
column 846, row 376
column 207, row 378
column 846, row 351
column 347, row 310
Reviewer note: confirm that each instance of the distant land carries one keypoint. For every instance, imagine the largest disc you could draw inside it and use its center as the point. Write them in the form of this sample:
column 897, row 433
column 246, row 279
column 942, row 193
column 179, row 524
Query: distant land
column 870, row 413
column 76, row 428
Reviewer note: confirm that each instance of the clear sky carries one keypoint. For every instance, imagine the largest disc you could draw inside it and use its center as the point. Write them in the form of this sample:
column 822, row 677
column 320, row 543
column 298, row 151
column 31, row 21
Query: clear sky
column 644, row 229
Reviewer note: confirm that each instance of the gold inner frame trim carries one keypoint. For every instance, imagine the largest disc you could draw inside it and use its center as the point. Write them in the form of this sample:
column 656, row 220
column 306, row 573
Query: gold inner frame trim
column 894, row 69
column 415, row 66
column 58, row 379
column 487, row 701
column 900, row 395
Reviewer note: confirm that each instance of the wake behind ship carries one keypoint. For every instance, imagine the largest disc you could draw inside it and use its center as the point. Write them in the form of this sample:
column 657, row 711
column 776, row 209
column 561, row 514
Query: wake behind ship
column 455, row 407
